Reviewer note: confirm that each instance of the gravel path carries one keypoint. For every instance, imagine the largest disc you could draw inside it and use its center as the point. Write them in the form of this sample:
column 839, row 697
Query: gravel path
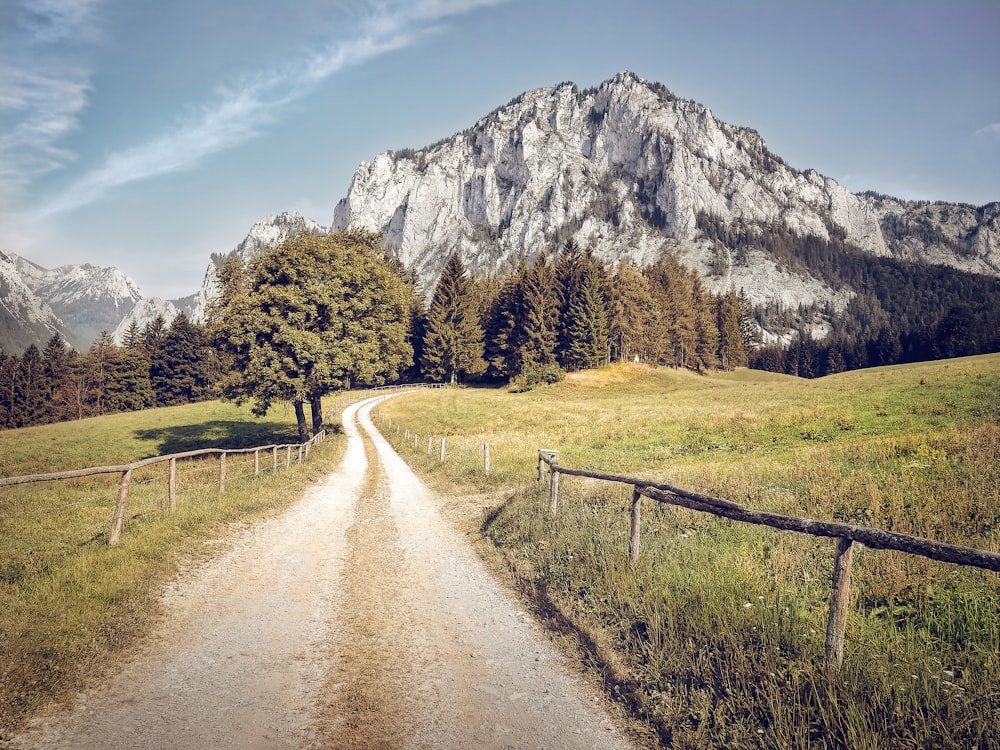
column 359, row 618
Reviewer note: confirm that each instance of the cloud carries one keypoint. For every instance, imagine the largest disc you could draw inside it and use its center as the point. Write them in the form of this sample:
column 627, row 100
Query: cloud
column 45, row 84
column 240, row 112
column 992, row 130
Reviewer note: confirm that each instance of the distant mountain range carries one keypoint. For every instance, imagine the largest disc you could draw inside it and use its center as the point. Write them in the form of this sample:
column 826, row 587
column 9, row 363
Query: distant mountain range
column 626, row 168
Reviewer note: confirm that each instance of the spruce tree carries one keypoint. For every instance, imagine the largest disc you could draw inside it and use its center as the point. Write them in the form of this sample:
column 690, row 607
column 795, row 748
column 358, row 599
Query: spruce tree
column 8, row 384
column 56, row 365
column 453, row 341
column 587, row 335
column 732, row 349
column 180, row 370
column 539, row 320
column 630, row 313
column 503, row 330
column 30, row 389
column 706, row 329
column 569, row 268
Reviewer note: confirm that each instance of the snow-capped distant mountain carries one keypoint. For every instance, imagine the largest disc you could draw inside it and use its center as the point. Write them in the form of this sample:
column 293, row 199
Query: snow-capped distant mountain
column 81, row 301
column 24, row 318
column 86, row 298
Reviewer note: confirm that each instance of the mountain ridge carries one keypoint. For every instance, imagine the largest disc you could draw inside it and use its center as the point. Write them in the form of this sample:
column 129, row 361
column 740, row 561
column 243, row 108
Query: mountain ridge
column 628, row 169
column 625, row 168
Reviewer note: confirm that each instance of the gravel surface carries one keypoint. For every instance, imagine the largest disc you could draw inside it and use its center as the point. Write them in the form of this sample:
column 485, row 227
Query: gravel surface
column 359, row 618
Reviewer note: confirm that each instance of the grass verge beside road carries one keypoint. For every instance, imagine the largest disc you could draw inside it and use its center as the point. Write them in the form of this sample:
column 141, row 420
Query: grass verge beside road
column 71, row 602
column 716, row 635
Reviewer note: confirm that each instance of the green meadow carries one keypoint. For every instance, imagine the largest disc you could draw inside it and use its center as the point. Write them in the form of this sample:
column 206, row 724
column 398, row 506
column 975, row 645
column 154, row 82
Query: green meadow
column 71, row 602
column 715, row 637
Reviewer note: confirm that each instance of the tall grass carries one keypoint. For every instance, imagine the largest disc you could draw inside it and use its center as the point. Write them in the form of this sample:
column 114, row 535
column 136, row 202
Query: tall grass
column 69, row 600
column 716, row 635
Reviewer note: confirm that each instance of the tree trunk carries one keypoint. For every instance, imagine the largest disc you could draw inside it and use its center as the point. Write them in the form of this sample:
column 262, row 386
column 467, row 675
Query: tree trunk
column 300, row 417
column 316, row 403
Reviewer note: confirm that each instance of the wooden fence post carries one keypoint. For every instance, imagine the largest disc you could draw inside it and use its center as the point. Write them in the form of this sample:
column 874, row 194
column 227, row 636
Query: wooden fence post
column 222, row 471
column 274, row 460
column 486, row 458
column 430, row 445
column 634, row 531
column 119, row 518
column 553, row 486
column 288, row 456
column 172, row 485
column 442, row 450
column 300, row 454
column 256, row 462
column 840, row 595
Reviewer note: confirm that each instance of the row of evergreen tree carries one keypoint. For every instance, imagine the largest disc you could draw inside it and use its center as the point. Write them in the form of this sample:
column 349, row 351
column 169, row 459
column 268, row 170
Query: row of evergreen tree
column 159, row 365
column 323, row 312
column 572, row 313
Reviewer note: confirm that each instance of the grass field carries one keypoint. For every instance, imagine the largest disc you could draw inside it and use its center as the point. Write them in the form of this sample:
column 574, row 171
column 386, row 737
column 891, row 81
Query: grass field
column 70, row 602
column 716, row 635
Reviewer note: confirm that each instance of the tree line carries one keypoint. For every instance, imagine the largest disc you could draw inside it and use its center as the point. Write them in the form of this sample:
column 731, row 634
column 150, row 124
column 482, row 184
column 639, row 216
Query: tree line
column 325, row 312
column 571, row 312
column 158, row 365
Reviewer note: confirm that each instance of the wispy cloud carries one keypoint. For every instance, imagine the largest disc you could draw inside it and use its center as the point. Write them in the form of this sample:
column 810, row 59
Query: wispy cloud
column 992, row 130
column 241, row 112
column 45, row 84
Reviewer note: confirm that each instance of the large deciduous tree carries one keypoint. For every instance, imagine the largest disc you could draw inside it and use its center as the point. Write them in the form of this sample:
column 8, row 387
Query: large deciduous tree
column 317, row 313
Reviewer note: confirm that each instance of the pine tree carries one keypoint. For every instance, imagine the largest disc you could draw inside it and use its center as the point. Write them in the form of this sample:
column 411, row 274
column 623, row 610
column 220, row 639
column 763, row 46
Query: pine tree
column 630, row 313
column 587, row 336
column 732, row 348
column 56, row 366
column 180, row 370
column 453, row 342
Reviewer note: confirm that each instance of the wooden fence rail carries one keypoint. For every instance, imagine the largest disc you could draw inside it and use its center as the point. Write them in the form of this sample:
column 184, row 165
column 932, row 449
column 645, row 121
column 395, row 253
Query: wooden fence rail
column 124, row 484
column 845, row 534
column 126, row 470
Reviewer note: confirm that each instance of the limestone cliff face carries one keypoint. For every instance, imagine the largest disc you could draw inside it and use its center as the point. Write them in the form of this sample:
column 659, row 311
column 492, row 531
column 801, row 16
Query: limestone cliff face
column 626, row 169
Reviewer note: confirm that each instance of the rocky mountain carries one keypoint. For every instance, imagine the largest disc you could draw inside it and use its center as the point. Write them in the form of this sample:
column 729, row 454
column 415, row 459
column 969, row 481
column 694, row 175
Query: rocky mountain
column 87, row 298
column 24, row 317
column 77, row 301
column 631, row 171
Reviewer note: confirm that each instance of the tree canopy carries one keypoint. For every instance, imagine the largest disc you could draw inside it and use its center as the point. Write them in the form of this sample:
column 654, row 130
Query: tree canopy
column 317, row 313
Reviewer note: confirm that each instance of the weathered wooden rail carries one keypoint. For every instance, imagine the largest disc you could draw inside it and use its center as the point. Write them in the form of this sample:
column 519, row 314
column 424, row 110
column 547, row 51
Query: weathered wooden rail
column 847, row 536
column 124, row 484
column 278, row 454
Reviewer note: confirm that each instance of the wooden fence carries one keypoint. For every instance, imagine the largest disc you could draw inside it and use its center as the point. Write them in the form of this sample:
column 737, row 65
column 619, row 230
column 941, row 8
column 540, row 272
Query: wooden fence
column 273, row 454
column 278, row 454
column 846, row 535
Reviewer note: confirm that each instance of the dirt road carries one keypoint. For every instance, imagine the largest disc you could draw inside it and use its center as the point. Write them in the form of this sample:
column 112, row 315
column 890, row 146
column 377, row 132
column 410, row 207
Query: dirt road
column 357, row 619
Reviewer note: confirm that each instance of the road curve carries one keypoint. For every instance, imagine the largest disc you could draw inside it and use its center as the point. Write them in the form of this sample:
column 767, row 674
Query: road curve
column 358, row 618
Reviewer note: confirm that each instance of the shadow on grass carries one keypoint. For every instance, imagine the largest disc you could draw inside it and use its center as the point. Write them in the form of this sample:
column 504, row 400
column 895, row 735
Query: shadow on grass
column 218, row 434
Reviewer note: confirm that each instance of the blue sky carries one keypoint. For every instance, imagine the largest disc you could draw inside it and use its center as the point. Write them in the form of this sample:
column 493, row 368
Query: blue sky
column 148, row 135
